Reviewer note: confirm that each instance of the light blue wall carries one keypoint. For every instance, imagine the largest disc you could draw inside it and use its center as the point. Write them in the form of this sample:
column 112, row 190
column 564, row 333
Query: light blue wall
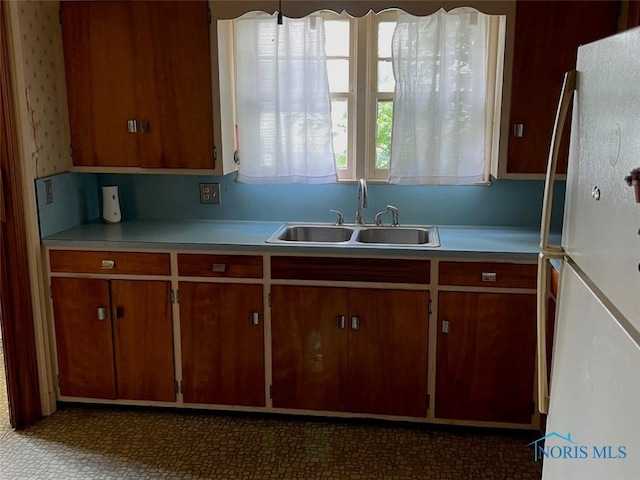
column 75, row 201
column 505, row 203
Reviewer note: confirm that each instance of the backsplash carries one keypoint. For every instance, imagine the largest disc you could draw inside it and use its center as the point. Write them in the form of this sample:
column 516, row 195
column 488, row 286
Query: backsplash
column 516, row 203
column 75, row 201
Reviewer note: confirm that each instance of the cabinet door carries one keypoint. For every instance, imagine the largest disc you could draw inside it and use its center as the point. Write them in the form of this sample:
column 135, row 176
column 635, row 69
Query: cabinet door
column 222, row 349
column 388, row 352
column 485, row 356
column 547, row 37
column 309, row 348
column 174, row 85
column 100, row 56
column 84, row 340
column 143, row 338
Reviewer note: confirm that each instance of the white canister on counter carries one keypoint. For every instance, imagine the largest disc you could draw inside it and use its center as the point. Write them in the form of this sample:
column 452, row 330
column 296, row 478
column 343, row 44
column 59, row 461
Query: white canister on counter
column 111, row 204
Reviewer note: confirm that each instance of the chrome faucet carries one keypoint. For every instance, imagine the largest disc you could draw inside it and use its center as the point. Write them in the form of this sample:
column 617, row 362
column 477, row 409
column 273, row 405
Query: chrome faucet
column 362, row 200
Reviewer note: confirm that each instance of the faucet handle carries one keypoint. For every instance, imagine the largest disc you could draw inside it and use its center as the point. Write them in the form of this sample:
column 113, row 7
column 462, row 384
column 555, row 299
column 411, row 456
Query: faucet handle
column 340, row 217
column 394, row 215
column 377, row 220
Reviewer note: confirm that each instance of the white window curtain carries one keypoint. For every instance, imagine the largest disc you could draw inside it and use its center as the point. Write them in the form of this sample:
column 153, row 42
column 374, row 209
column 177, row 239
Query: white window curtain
column 439, row 63
column 283, row 101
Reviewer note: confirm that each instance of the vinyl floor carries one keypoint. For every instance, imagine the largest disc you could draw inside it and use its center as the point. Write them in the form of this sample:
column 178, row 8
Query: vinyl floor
column 87, row 442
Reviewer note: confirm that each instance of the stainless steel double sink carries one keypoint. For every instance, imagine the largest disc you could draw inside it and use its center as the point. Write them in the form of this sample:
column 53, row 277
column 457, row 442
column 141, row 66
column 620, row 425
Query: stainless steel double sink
column 354, row 235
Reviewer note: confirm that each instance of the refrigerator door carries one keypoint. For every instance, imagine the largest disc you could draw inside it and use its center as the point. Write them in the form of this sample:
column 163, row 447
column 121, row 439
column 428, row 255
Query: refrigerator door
column 593, row 427
column 602, row 220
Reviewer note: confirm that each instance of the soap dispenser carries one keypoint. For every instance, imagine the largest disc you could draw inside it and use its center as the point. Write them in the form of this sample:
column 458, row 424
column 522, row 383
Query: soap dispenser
column 111, row 204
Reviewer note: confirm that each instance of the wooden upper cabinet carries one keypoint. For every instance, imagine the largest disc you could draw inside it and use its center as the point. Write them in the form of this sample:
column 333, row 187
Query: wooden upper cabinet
column 547, row 36
column 100, row 63
column 143, row 62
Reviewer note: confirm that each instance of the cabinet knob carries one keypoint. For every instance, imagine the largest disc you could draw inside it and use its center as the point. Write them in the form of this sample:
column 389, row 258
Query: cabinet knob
column 340, row 321
column 254, row 318
column 102, row 313
column 355, row 323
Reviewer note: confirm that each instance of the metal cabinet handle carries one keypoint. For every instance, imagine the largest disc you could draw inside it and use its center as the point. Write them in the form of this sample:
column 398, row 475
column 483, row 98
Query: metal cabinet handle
column 132, row 126
column 340, row 321
column 219, row 267
column 102, row 313
column 355, row 323
column 108, row 264
column 145, row 126
column 254, row 318
column 489, row 276
column 117, row 313
column 445, row 326
column 518, row 130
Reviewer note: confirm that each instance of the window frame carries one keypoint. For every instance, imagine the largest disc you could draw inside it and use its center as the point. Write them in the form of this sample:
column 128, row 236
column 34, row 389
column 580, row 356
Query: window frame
column 224, row 136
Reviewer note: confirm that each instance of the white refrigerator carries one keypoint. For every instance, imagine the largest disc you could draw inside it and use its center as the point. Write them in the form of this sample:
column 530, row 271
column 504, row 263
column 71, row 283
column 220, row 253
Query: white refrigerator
column 593, row 394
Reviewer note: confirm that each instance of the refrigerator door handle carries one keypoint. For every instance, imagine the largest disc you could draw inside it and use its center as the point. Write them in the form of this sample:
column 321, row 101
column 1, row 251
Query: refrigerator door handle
column 568, row 87
column 541, row 328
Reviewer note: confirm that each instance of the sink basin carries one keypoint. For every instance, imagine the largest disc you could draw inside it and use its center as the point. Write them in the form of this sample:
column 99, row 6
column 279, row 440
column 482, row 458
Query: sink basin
column 396, row 235
column 356, row 235
column 315, row 233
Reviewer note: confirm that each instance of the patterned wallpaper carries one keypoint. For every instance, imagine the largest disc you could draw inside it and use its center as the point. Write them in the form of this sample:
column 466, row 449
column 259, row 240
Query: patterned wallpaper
column 46, row 95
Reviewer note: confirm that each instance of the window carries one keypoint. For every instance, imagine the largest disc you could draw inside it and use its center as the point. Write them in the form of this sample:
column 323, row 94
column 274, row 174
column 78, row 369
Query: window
column 360, row 70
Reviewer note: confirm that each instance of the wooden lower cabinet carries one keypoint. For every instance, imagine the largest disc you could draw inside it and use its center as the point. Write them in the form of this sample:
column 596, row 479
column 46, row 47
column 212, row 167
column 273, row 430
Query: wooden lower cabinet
column 353, row 350
column 114, row 338
column 222, row 345
column 485, row 356
column 84, row 342
column 143, row 337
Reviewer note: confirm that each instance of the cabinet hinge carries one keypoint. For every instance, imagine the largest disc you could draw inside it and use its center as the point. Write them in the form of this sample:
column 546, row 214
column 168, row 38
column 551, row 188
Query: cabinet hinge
column 60, row 17
column 430, row 306
column 215, row 153
column 270, row 391
column 209, row 15
column 58, row 379
column 269, row 299
column 50, row 291
column 71, row 149
column 428, row 401
column 179, row 388
column 175, row 296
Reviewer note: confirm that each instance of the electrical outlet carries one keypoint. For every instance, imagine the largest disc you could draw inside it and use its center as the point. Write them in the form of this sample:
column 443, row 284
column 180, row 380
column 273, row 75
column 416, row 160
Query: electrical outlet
column 48, row 192
column 210, row 193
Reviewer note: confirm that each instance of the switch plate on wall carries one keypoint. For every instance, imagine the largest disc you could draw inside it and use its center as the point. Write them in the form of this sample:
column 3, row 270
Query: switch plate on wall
column 210, row 193
column 48, row 192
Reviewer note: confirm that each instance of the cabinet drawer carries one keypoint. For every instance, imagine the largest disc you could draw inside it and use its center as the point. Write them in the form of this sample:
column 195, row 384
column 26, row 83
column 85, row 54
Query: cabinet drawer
column 110, row 262
column 488, row 274
column 234, row 266
column 351, row 269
